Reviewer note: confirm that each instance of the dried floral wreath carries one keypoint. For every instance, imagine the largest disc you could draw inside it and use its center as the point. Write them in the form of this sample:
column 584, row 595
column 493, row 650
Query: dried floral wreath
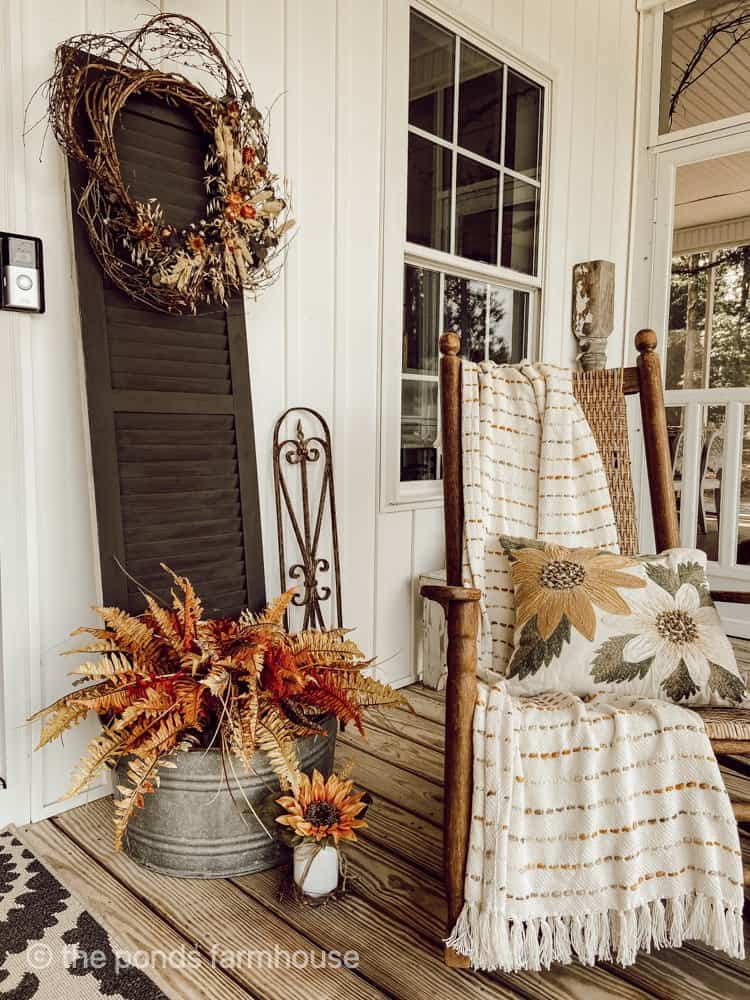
column 241, row 237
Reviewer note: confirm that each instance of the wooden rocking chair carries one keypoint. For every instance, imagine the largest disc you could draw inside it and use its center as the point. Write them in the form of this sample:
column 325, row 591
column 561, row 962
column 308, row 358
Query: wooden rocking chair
column 728, row 729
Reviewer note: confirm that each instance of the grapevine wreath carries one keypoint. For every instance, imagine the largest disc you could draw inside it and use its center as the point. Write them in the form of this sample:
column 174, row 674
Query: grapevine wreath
column 238, row 242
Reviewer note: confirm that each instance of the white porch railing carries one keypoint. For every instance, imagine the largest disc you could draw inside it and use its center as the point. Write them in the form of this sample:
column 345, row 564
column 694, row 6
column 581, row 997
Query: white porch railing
column 731, row 512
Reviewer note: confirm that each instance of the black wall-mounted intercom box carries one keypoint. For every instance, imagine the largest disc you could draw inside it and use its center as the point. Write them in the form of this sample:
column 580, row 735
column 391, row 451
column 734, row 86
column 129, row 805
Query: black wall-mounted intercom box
column 22, row 273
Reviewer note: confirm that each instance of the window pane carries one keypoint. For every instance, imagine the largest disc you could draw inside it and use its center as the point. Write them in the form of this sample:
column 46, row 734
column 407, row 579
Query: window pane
column 465, row 312
column 520, row 225
column 421, row 315
column 508, row 325
column 716, row 86
column 687, row 323
column 476, row 210
column 730, row 328
column 428, row 203
column 480, row 101
column 432, row 53
column 419, row 430
column 523, row 125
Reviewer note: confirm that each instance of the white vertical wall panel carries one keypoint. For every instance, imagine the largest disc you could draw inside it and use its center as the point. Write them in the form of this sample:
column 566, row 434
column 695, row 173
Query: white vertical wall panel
column 507, row 19
column 556, row 343
column 266, row 316
column 482, row 10
column 18, row 645
column 537, row 23
column 428, row 553
column 314, row 338
column 620, row 345
column 356, row 348
column 394, row 611
column 311, row 163
column 66, row 559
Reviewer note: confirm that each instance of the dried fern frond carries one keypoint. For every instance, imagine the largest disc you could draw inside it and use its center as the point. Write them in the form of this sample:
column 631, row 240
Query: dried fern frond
column 314, row 647
column 246, row 729
column 144, row 779
column 332, row 695
column 188, row 607
column 216, row 680
column 132, row 634
column 63, row 718
column 275, row 736
column 103, row 748
column 109, row 695
column 160, row 735
column 111, row 665
column 190, row 698
column 155, row 701
column 100, row 646
column 271, row 615
column 166, row 621
column 371, row 693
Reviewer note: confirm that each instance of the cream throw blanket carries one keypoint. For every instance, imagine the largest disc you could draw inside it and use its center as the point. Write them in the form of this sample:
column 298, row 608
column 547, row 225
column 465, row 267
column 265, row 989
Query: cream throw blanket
column 599, row 828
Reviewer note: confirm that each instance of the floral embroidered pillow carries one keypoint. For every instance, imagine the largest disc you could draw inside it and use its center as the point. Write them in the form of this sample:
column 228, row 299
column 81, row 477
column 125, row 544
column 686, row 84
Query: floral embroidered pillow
column 589, row 621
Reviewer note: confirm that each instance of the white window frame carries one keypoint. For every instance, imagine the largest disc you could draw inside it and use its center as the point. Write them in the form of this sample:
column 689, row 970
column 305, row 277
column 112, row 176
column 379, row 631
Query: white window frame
column 655, row 11
column 397, row 251
column 658, row 160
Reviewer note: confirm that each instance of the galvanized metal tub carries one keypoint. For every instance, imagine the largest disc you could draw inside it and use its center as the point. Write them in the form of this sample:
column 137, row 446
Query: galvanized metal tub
column 195, row 827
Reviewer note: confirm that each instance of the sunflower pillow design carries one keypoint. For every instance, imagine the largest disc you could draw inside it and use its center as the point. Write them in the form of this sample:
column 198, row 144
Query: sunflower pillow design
column 589, row 621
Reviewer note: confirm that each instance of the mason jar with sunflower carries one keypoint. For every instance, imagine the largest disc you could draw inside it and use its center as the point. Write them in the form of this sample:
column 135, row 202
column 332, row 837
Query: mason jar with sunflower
column 320, row 814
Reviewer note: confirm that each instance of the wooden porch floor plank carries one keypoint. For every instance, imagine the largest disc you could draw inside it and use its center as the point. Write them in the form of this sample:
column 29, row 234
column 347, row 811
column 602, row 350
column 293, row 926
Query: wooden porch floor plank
column 418, row 901
column 405, row 834
column 422, row 797
column 685, row 974
column 429, row 704
column 392, row 956
column 213, row 913
column 393, row 748
column 401, row 723
column 133, row 923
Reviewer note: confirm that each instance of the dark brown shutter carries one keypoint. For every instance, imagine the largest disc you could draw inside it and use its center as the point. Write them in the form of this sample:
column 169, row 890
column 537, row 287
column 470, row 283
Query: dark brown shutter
column 169, row 403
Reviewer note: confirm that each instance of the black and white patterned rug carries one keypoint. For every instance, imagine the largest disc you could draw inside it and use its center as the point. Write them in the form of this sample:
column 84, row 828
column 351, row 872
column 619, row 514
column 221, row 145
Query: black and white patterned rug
column 51, row 948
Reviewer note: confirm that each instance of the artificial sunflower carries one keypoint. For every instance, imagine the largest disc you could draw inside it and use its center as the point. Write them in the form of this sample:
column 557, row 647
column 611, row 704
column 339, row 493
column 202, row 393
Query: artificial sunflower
column 323, row 809
column 554, row 581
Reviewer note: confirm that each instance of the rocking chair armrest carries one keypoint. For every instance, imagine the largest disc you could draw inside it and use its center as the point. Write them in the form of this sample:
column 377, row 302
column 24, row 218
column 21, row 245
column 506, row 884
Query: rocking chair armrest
column 445, row 595
column 731, row 596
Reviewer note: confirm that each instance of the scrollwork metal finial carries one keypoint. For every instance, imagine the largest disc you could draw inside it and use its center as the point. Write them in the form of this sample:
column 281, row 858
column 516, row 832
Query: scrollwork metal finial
column 305, row 452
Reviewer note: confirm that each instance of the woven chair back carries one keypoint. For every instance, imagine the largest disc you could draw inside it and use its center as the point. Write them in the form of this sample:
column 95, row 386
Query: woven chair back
column 602, row 399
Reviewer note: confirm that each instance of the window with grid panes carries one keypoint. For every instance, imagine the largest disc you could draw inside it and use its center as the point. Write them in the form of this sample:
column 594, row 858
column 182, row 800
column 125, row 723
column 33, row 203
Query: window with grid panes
column 474, row 188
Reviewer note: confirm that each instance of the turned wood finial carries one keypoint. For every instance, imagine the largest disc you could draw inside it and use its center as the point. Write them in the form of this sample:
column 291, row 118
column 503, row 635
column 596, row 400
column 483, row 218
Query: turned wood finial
column 645, row 341
column 450, row 343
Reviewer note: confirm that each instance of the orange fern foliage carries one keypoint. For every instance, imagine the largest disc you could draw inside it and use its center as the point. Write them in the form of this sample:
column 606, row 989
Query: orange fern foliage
column 170, row 679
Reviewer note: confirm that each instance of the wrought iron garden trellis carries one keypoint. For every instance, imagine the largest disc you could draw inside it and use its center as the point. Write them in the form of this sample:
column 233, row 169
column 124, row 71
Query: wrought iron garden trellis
column 312, row 455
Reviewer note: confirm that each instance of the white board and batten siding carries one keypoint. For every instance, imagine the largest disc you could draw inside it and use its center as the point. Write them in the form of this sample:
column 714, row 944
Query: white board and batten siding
column 314, row 338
